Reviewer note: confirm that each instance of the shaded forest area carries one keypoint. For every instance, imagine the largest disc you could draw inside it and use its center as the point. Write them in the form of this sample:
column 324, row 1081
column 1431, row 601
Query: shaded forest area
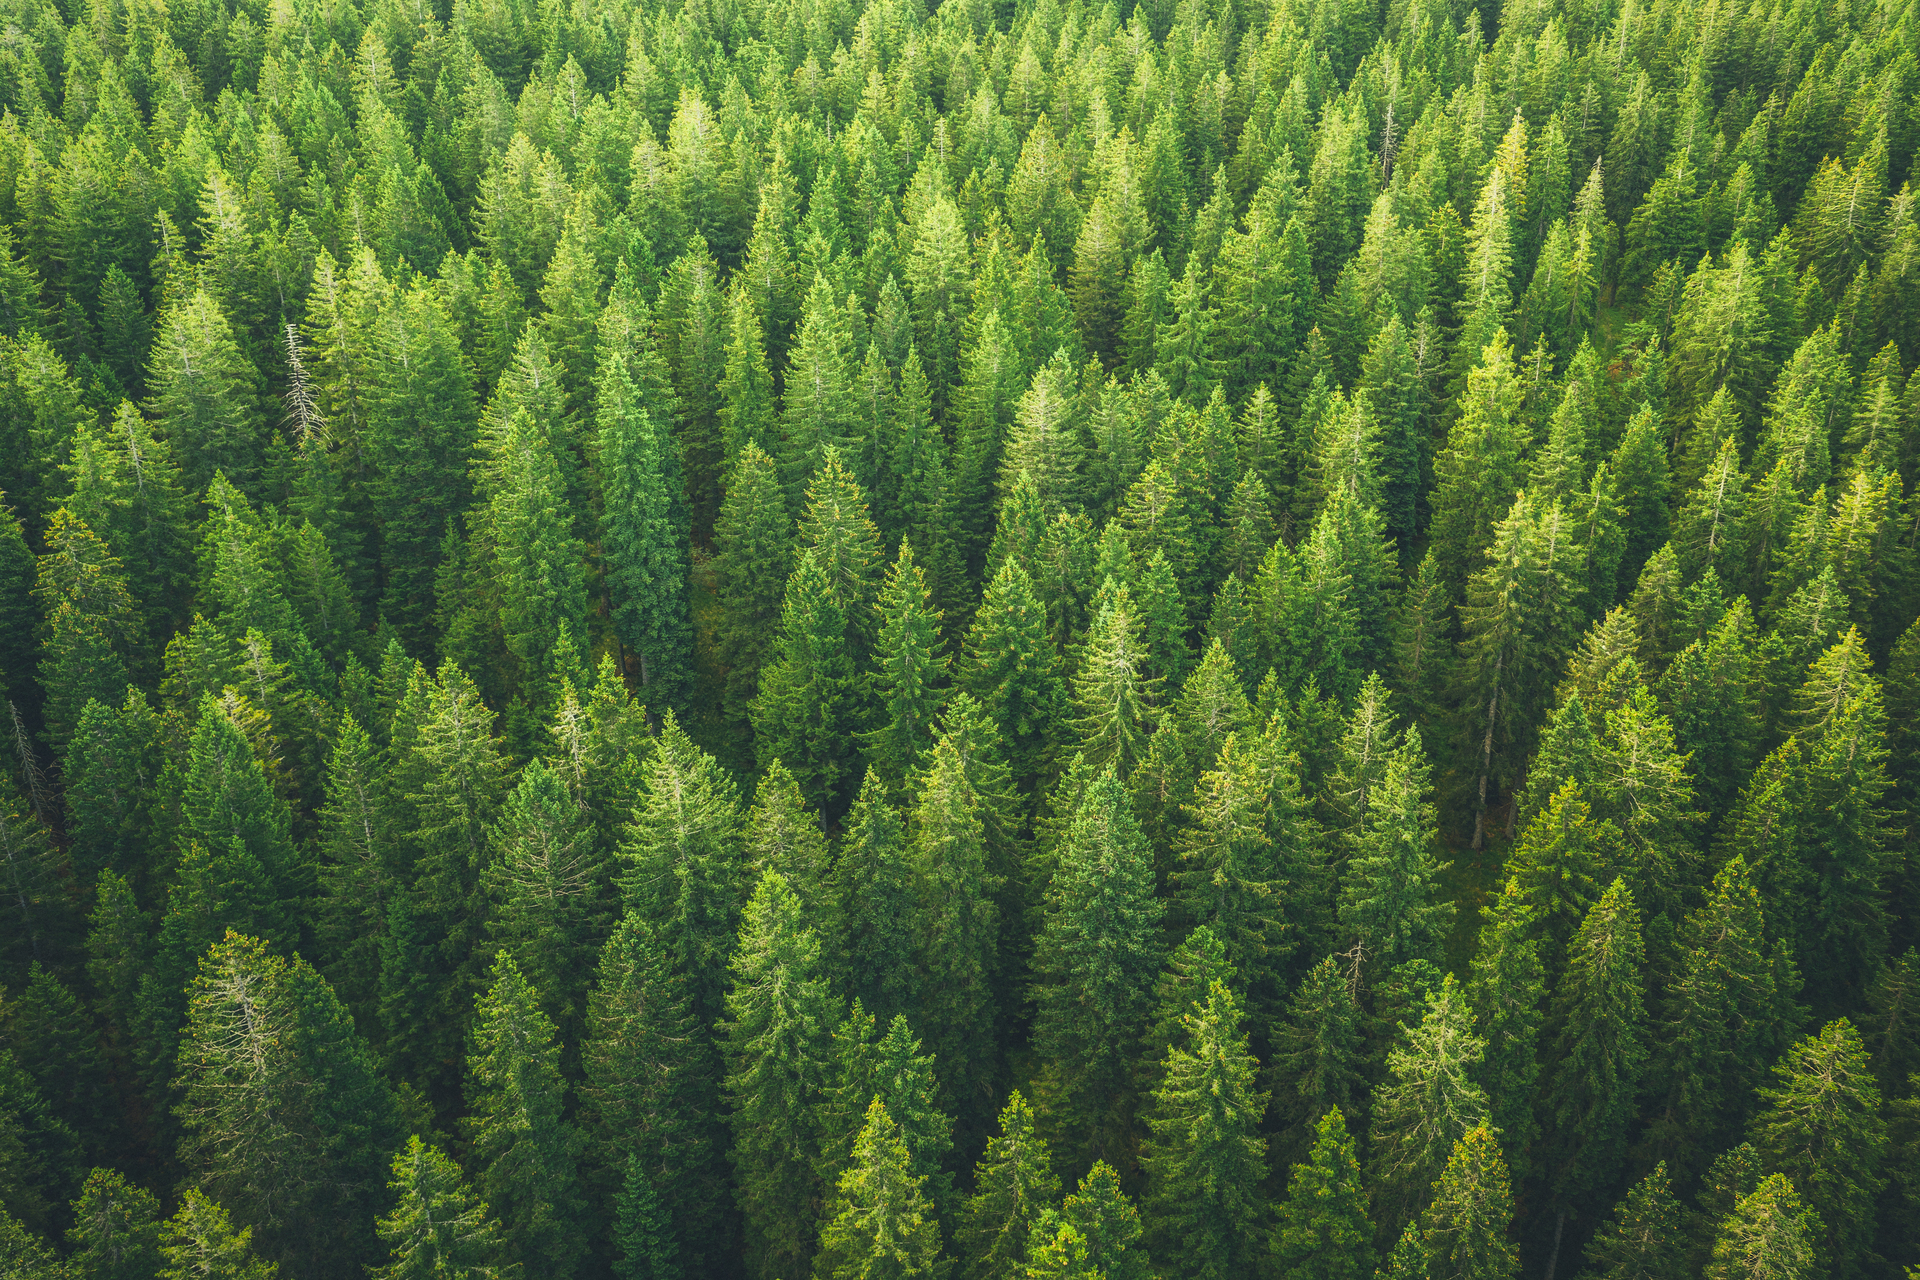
column 1047, row 640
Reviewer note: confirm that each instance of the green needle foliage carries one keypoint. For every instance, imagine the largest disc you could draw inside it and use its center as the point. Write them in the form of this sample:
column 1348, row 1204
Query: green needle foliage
column 908, row 551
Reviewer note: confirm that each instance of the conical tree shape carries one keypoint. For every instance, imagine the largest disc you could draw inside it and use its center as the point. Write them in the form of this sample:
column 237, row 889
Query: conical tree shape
column 956, row 930
column 1014, row 1186
column 1465, row 1228
column 116, row 1230
column 1205, row 1159
column 643, row 540
column 752, row 546
column 1641, row 1238
column 1318, row 1056
column 523, row 1144
column 1430, row 1102
column 1822, row 1128
column 1323, row 1232
column 880, row 1223
column 778, row 1048
column 687, row 872
column 264, row 1042
column 200, row 1243
column 1011, row 667
column 207, row 393
column 437, row 1228
column 909, row 668
column 552, row 906
column 650, row 1104
column 642, row 1231
column 812, row 700
column 1387, row 895
column 1093, row 962
column 1768, row 1236
column 1602, row 1048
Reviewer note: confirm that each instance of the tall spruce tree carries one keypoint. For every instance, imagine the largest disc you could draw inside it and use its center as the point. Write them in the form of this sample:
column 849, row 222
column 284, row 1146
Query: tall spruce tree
column 1205, row 1159
column 525, row 1146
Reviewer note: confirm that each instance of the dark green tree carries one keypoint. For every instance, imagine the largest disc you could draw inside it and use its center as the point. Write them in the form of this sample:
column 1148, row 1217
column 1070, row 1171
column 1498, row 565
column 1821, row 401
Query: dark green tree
column 1014, row 1187
column 1823, row 1130
column 1205, row 1160
column 778, row 1045
column 524, row 1145
column 1093, row 963
column 1323, row 1232
column 643, row 537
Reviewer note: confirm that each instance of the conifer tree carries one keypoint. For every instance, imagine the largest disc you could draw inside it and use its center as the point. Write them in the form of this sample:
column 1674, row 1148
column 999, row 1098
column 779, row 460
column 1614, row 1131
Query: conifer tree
column 284, row 1115
column 643, row 541
column 437, row 1228
column 778, row 1048
column 541, row 571
column 812, row 702
column 1641, row 1238
column 1768, row 1236
column 687, row 872
column 956, row 930
column 1014, row 1187
column 1430, row 1102
column 1822, row 1129
column 649, row 1106
column 525, row 1147
column 1011, row 668
column 207, row 393
column 1112, row 691
column 453, row 780
column 751, row 564
column 1732, row 1009
column 1602, row 1047
column 873, row 880
column 909, row 667
column 1323, row 1232
column 359, row 870
column 199, row 1242
column 1387, row 895
column 551, row 907
column 1506, row 989
column 116, row 1229
column 421, row 434
column 1227, row 880
column 1318, row 1056
column 641, row 1231
column 1092, row 963
column 1205, row 1159
column 880, row 1223
column 1465, row 1228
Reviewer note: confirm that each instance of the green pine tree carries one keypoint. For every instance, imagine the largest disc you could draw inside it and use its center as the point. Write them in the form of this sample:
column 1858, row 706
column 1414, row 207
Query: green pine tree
column 1769, row 1235
column 1429, row 1103
column 1465, row 1228
column 643, row 537
column 880, row 1222
column 116, row 1230
column 523, row 1144
column 1641, row 1239
column 1092, row 963
column 1323, row 1232
column 1823, row 1130
column 200, row 1243
column 778, row 1049
column 1205, row 1160
column 1014, row 1186
column 438, row 1228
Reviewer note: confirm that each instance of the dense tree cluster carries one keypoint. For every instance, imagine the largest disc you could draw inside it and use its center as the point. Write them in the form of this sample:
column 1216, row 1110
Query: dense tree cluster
column 1005, row 640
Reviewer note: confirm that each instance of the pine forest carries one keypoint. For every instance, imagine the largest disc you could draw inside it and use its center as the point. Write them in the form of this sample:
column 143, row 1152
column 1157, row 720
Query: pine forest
column 977, row 640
